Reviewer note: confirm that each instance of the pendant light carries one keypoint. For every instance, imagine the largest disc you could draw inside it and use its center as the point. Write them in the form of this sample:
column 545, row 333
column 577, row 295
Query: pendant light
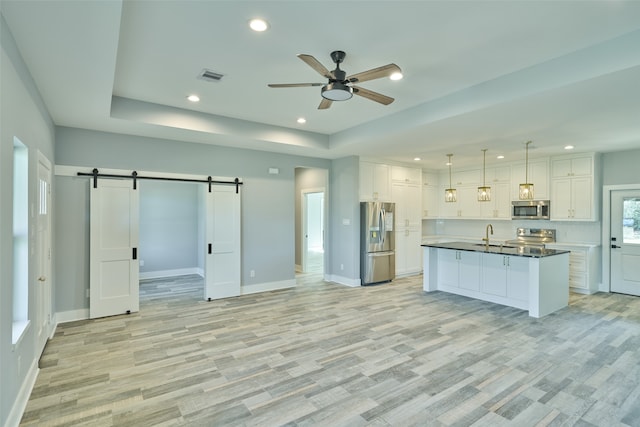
column 450, row 193
column 484, row 192
column 526, row 189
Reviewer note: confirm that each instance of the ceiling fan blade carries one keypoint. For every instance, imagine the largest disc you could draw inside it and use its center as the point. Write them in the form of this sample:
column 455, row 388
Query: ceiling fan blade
column 374, row 73
column 324, row 104
column 374, row 96
column 294, row 84
column 316, row 65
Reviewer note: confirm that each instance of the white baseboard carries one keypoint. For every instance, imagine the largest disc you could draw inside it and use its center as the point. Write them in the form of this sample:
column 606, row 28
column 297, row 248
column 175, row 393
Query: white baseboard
column 20, row 404
column 171, row 273
column 71, row 315
column 353, row 283
column 268, row 286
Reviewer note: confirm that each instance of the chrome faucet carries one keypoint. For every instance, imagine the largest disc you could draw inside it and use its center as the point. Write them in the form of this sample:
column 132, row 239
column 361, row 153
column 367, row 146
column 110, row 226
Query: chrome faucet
column 486, row 238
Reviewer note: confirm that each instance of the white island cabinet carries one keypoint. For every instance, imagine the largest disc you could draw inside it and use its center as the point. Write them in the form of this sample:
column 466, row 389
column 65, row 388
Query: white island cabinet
column 529, row 279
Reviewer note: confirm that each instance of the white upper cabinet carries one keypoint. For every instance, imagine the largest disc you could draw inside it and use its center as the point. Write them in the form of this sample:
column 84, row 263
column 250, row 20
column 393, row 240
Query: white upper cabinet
column 374, row 182
column 578, row 166
column 406, row 175
column 430, row 193
column 573, row 189
column 538, row 176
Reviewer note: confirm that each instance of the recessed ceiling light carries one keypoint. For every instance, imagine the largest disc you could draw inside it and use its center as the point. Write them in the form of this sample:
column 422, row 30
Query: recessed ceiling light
column 396, row 76
column 301, row 120
column 258, row 25
column 568, row 147
column 417, row 159
column 193, row 98
column 500, row 157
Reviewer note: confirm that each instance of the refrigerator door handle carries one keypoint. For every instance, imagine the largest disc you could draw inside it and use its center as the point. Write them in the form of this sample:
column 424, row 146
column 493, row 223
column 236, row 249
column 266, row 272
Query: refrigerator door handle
column 382, row 229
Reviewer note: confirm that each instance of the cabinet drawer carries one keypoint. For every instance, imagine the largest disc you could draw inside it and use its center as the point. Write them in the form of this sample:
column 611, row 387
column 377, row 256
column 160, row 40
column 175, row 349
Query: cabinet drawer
column 577, row 261
column 577, row 281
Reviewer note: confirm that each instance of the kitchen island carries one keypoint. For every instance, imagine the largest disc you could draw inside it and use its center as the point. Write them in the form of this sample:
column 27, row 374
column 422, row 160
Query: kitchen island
column 528, row 278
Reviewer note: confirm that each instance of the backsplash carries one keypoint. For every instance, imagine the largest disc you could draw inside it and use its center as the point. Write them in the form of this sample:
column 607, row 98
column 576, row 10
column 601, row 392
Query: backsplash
column 566, row 232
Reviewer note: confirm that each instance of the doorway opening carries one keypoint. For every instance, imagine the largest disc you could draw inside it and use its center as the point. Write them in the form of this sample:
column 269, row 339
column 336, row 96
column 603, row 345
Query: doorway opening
column 311, row 220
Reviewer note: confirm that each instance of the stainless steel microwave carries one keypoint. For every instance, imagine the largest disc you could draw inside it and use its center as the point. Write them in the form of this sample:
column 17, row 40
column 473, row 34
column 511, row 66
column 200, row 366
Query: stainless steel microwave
column 530, row 209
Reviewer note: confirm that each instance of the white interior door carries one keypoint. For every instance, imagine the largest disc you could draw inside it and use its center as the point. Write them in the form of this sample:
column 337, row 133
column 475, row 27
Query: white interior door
column 114, row 270
column 312, row 231
column 222, row 231
column 625, row 241
column 43, row 283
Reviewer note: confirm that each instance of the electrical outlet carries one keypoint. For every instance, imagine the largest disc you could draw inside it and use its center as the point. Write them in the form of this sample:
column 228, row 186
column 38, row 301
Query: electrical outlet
column 141, row 263
column 252, row 273
column 341, row 266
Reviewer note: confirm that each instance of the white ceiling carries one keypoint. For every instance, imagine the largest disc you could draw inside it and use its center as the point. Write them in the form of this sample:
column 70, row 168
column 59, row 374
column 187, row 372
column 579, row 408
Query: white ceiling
column 478, row 74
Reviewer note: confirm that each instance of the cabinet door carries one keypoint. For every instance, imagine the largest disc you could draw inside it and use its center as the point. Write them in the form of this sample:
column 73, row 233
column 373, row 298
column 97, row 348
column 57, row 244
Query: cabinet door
column 448, row 268
column 582, row 166
column 406, row 175
column 413, row 251
column 468, row 202
column 494, row 275
column 499, row 174
column 561, row 198
column 518, row 278
column 413, row 203
column 581, row 198
column 380, row 178
column 469, row 270
column 430, row 201
column 560, row 168
column 502, row 207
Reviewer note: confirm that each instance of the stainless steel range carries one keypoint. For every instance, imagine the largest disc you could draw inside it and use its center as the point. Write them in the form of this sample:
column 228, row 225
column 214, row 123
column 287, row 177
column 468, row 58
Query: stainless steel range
column 533, row 237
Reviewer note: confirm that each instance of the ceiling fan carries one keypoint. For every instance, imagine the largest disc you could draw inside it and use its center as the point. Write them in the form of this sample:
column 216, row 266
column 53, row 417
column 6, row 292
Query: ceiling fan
column 341, row 88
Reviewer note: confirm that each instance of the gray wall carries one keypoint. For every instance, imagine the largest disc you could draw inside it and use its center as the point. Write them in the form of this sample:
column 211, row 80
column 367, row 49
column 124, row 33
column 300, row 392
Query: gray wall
column 168, row 225
column 621, row 167
column 306, row 178
column 344, row 218
column 268, row 201
column 22, row 115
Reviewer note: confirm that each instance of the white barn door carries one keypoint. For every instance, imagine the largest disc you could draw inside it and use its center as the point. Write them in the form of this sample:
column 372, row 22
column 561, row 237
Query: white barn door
column 114, row 270
column 222, row 231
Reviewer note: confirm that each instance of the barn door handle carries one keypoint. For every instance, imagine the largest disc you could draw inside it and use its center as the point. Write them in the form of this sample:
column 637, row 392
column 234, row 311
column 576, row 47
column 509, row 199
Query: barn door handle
column 135, row 253
column 210, row 248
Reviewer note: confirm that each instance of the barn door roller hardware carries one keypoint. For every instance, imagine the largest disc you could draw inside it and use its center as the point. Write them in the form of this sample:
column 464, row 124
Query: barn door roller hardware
column 95, row 174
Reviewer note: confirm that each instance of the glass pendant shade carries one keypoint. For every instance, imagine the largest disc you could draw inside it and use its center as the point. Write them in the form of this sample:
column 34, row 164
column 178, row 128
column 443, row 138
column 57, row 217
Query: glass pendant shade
column 526, row 189
column 450, row 193
column 484, row 192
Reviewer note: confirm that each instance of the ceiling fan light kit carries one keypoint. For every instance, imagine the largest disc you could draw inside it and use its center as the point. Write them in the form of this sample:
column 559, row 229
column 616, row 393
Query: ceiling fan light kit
column 337, row 92
column 341, row 87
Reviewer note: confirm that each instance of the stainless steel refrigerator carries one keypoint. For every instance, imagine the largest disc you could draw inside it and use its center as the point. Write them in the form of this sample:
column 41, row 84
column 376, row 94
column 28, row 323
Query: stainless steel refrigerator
column 377, row 242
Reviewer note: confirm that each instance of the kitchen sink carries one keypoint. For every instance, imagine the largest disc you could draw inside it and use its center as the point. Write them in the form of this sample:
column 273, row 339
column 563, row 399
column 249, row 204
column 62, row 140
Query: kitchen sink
column 496, row 246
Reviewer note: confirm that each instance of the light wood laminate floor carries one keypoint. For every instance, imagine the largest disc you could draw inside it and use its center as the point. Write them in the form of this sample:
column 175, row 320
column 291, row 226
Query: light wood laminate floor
column 324, row 354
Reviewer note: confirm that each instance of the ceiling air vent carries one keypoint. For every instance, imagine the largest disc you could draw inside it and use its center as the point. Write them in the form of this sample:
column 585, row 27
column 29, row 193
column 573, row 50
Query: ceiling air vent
column 210, row 76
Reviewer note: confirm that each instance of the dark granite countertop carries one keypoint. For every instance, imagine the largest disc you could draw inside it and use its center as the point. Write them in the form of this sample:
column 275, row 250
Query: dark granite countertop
column 531, row 252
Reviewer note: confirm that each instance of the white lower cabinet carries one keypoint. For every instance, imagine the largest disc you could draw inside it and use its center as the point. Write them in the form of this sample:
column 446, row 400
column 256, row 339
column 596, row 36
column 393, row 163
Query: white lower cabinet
column 459, row 269
column 505, row 276
column 408, row 252
column 584, row 262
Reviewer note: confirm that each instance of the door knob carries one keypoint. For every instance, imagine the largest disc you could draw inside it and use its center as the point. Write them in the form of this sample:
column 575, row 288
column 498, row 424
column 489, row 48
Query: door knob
column 42, row 279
